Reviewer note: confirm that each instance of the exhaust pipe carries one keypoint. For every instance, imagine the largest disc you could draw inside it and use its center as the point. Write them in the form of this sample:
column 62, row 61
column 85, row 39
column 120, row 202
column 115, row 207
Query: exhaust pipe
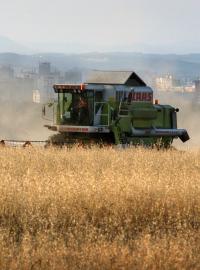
column 159, row 132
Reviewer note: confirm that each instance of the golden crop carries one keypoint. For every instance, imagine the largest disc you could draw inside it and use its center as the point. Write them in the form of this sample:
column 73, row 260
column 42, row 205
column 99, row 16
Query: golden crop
column 99, row 209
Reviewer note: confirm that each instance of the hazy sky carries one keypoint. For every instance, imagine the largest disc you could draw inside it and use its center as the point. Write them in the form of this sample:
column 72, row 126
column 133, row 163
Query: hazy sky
column 170, row 25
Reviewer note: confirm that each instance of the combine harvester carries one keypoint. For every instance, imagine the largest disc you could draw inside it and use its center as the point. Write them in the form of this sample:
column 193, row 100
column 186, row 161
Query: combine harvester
column 112, row 108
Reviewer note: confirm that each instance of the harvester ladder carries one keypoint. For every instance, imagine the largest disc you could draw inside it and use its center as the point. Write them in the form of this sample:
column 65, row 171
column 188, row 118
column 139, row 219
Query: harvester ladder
column 123, row 110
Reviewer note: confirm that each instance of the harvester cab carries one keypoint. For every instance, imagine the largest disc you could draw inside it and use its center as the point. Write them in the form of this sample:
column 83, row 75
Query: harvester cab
column 114, row 107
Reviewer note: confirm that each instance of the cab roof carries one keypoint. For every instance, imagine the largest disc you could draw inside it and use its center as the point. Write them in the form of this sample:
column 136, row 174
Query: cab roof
column 66, row 87
column 128, row 78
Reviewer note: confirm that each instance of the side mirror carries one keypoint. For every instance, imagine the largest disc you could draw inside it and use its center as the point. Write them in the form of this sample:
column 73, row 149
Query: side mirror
column 43, row 110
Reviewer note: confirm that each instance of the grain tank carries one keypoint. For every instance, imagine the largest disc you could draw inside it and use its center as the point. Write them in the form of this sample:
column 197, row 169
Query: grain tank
column 113, row 107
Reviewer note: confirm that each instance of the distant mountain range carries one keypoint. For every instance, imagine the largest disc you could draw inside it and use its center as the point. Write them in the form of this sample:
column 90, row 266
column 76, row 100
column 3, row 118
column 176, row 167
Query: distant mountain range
column 178, row 65
column 8, row 45
column 17, row 55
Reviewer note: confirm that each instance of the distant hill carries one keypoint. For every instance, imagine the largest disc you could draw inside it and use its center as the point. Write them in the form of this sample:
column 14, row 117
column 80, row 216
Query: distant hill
column 8, row 45
column 178, row 65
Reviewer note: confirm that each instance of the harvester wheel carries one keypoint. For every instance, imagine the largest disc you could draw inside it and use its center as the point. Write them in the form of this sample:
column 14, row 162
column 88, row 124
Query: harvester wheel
column 56, row 140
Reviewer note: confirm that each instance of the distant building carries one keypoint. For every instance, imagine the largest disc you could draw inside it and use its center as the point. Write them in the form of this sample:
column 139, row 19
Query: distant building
column 44, row 69
column 197, row 92
column 36, row 96
column 45, row 85
column 6, row 73
column 189, row 89
column 33, row 85
column 167, row 83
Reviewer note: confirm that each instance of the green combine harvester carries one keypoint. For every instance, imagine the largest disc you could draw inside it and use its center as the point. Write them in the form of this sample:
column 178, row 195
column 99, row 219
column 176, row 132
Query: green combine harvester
column 112, row 108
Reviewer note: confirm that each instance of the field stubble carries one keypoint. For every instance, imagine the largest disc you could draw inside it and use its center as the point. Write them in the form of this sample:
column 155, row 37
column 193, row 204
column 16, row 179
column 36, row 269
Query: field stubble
column 99, row 209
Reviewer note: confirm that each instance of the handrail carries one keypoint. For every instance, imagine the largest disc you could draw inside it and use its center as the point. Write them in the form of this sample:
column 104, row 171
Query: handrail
column 102, row 114
column 122, row 110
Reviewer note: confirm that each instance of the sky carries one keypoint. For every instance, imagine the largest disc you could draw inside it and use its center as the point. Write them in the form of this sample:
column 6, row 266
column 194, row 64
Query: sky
column 170, row 26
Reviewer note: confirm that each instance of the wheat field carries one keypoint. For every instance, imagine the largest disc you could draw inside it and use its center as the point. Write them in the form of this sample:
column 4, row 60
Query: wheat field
column 99, row 209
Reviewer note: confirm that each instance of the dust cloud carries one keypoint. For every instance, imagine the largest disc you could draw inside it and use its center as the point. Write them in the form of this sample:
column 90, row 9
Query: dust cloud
column 22, row 121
